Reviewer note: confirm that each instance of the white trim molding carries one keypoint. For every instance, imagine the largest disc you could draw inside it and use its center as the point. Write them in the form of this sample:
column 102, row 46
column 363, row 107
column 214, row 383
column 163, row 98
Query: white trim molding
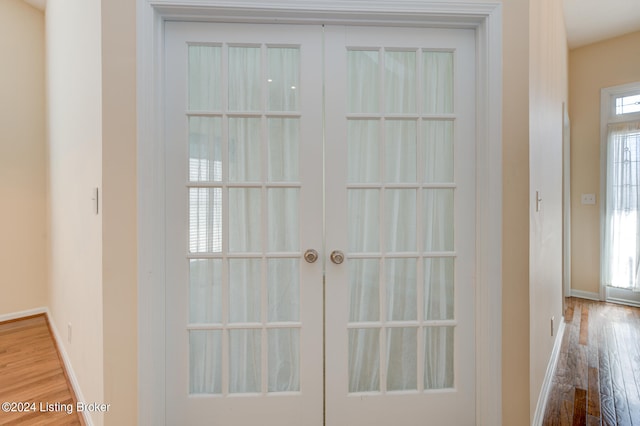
column 622, row 296
column 589, row 295
column 73, row 379
column 566, row 201
column 608, row 116
column 23, row 314
column 543, row 398
column 484, row 18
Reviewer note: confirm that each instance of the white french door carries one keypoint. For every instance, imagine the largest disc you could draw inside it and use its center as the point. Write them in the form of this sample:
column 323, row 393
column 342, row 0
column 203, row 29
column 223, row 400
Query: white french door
column 243, row 314
column 400, row 203
column 355, row 143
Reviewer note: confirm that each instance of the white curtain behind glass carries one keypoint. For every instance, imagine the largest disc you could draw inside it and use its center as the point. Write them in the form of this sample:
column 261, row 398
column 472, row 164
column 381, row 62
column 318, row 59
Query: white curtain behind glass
column 397, row 139
column 247, row 147
column 379, row 151
column 621, row 248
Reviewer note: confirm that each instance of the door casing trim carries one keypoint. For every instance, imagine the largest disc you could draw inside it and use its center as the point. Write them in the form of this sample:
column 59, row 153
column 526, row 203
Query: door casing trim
column 484, row 18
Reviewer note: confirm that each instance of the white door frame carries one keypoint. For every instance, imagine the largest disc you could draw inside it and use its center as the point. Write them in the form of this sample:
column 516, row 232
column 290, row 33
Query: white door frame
column 566, row 204
column 485, row 18
column 607, row 116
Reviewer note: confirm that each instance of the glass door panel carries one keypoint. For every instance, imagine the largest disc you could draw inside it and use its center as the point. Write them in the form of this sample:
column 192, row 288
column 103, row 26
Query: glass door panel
column 400, row 200
column 244, row 308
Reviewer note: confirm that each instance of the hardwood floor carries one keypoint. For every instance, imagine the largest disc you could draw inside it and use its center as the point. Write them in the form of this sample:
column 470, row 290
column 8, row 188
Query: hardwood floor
column 32, row 372
column 597, row 380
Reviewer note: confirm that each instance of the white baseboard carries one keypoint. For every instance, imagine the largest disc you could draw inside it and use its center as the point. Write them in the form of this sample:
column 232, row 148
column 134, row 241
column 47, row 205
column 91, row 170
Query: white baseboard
column 63, row 353
column 585, row 295
column 548, row 378
column 67, row 365
column 28, row 313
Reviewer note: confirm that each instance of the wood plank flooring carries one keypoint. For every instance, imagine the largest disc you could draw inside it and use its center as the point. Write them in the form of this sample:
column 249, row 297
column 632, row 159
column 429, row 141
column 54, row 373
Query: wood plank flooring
column 32, row 372
column 597, row 380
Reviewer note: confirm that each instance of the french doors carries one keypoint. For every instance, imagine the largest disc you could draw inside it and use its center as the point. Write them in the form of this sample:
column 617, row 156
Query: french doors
column 320, row 222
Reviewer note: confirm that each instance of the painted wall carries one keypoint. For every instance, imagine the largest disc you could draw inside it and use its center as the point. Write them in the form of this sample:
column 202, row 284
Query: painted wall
column 548, row 90
column 119, row 223
column 74, row 81
column 515, row 208
column 92, row 113
column 22, row 158
column 593, row 67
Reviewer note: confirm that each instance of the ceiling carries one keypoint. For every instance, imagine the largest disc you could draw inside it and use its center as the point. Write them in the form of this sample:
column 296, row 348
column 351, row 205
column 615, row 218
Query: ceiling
column 40, row 4
column 589, row 21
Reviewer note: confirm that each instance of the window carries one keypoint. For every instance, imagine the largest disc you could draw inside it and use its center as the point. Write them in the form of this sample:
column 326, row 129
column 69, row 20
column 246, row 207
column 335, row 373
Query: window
column 621, row 174
column 627, row 104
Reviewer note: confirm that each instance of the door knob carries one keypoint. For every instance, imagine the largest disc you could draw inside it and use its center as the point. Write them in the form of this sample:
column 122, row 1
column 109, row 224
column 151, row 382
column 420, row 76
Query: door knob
column 337, row 257
column 310, row 255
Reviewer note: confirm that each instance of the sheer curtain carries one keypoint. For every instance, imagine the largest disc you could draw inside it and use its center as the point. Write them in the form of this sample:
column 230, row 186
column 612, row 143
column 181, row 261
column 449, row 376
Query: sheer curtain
column 621, row 248
column 235, row 279
column 397, row 159
column 383, row 220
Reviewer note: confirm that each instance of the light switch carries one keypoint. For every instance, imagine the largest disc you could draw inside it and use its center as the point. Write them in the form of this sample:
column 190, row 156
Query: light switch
column 96, row 200
column 588, row 198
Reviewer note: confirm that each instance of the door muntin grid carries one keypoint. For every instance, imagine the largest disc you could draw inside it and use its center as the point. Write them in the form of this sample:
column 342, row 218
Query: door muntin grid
column 243, row 243
column 401, row 200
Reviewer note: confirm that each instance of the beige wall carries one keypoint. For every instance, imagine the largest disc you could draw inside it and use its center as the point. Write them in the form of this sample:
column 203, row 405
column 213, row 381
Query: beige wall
column 92, row 113
column 593, row 67
column 119, row 225
column 548, row 90
column 74, row 80
column 515, row 214
column 22, row 158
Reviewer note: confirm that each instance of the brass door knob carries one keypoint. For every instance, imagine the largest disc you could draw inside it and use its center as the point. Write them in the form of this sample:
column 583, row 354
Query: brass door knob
column 310, row 255
column 337, row 257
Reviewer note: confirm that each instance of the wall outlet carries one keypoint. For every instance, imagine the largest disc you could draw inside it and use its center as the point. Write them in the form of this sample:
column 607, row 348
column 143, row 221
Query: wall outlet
column 552, row 329
column 69, row 332
column 588, row 199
